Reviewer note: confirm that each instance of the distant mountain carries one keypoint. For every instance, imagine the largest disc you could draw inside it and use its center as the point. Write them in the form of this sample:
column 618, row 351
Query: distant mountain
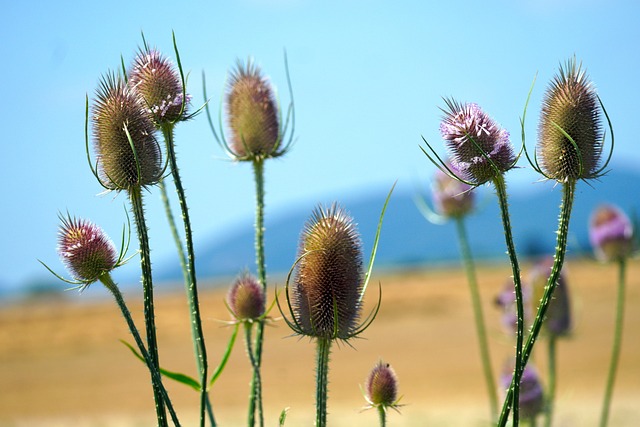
column 408, row 239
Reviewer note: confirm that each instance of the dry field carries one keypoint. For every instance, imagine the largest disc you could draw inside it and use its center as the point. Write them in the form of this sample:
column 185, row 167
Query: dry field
column 61, row 363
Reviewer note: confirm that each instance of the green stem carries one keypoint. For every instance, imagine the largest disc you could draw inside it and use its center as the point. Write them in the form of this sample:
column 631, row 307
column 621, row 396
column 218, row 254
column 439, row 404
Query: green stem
column 191, row 285
column 568, row 193
column 256, row 383
column 551, row 389
column 135, row 195
column 617, row 344
column 478, row 316
column 108, row 282
column 258, row 169
column 382, row 413
column 322, row 380
column 501, row 191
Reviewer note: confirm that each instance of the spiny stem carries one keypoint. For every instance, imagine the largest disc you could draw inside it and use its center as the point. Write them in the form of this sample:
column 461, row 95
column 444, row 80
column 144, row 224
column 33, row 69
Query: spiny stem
column 501, row 191
column 135, row 195
column 256, row 383
column 191, row 285
column 551, row 389
column 108, row 282
column 568, row 193
column 617, row 345
column 322, row 380
column 478, row 316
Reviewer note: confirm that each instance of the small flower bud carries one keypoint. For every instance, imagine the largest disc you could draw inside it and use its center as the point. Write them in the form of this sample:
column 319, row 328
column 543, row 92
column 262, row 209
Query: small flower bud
column 451, row 197
column 557, row 321
column 329, row 275
column 118, row 107
column 381, row 386
column 252, row 114
column 570, row 106
column 611, row 233
column 246, row 298
column 85, row 249
column 160, row 85
column 479, row 147
column 531, row 394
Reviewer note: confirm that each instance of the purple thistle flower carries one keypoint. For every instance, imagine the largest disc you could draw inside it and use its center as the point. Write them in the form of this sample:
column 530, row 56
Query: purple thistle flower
column 85, row 249
column 610, row 233
column 381, row 386
column 480, row 149
column 531, row 393
column 246, row 298
column 558, row 317
column 452, row 198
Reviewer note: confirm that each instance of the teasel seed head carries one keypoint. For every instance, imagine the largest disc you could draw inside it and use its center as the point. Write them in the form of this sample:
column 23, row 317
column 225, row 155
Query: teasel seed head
column 558, row 317
column 85, row 249
column 531, row 394
column 381, row 386
column 326, row 300
column 246, row 298
column 479, row 148
column 571, row 108
column 452, row 198
column 253, row 114
column 611, row 233
column 160, row 85
column 119, row 110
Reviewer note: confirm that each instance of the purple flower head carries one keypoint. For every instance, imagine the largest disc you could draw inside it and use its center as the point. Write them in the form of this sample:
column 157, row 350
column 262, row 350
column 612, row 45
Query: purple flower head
column 451, row 197
column 381, row 386
column 506, row 301
column 480, row 149
column 558, row 316
column 85, row 249
column 246, row 298
column 531, row 393
column 610, row 233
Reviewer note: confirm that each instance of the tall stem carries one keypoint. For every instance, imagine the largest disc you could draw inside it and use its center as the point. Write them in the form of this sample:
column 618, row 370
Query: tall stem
column 108, row 282
column 256, row 383
column 191, row 285
column 501, row 191
column 135, row 195
column 382, row 415
column 551, row 389
column 568, row 193
column 617, row 345
column 322, row 380
column 478, row 317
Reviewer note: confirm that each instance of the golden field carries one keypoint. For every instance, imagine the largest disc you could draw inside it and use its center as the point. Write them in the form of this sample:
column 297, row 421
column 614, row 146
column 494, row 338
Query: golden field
column 61, row 363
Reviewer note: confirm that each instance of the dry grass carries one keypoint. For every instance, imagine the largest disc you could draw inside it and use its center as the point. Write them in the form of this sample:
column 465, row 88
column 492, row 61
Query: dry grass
column 61, row 363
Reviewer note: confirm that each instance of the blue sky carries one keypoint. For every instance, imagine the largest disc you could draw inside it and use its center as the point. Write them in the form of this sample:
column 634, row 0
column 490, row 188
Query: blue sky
column 368, row 78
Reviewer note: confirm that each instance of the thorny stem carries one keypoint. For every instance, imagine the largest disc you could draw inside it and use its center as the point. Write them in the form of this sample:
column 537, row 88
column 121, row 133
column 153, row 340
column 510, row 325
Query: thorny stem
column 551, row 389
column 135, row 195
column 617, row 344
column 108, row 282
column 478, row 316
column 256, row 383
column 322, row 380
column 568, row 193
column 189, row 270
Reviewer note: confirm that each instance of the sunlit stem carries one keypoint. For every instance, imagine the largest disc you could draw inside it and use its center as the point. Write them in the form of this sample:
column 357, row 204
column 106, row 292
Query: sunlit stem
column 551, row 388
column 617, row 345
column 478, row 317
column 256, row 387
column 322, row 380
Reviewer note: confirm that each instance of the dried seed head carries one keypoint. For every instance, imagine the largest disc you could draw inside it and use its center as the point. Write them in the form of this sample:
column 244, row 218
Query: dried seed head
column 160, row 85
column 246, row 298
column 558, row 317
column 451, row 197
column 252, row 114
column 85, row 249
column 479, row 147
column 570, row 106
column 531, row 394
column 611, row 233
column 329, row 276
column 117, row 108
column 381, row 386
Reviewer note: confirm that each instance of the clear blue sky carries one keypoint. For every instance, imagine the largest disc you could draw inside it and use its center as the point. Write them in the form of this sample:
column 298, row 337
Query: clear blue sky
column 368, row 79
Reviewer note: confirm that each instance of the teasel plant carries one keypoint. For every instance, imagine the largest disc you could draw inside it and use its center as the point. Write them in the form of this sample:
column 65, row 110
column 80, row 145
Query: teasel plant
column 257, row 133
column 381, row 391
column 90, row 256
column 481, row 152
column 570, row 146
column 324, row 301
column 531, row 399
column 612, row 237
column 162, row 88
column 455, row 200
column 128, row 158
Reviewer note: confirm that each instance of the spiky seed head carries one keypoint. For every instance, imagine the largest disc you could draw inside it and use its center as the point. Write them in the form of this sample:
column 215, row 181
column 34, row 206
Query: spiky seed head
column 253, row 115
column 117, row 107
column 85, row 249
column 329, row 277
column 246, row 298
column 156, row 79
column 479, row 148
column 611, row 233
column 531, row 394
column 558, row 318
column 451, row 197
column 570, row 105
column 381, row 386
